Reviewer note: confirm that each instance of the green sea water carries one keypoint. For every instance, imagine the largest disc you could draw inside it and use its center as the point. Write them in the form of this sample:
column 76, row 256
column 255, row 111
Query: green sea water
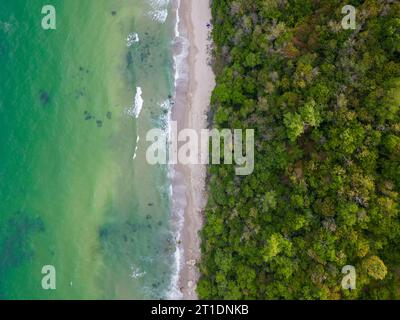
column 72, row 194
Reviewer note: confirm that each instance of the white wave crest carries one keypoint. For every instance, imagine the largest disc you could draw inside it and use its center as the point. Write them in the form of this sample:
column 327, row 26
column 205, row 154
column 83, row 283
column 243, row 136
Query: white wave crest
column 136, row 148
column 132, row 38
column 136, row 273
column 135, row 110
column 159, row 11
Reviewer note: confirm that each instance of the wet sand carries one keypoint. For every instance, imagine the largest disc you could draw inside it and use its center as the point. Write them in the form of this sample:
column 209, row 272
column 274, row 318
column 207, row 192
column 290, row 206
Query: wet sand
column 192, row 104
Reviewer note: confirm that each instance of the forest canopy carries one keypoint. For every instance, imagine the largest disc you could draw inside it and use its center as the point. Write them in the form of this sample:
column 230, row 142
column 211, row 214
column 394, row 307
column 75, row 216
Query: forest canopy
column 324, row 102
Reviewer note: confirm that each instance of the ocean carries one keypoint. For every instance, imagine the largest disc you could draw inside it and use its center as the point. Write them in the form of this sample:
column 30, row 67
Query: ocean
column 76, row 191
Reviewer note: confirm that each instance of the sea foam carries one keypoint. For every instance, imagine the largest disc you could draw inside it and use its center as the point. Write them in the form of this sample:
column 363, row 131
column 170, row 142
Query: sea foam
column 159, row 10
column 136, row 108
column 136, row 273
column 136, row 148
column 176, row 192
column 132, row 38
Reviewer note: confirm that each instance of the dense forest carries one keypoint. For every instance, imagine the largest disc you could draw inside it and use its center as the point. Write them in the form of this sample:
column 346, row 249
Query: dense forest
column 324, row 102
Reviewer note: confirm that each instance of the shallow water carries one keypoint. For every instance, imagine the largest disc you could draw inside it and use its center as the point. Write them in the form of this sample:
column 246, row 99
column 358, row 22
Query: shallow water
column 75, row 189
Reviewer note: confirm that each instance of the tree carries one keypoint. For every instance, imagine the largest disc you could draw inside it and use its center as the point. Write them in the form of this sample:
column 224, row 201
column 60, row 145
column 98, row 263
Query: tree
column 375, row 267
column 294, row 125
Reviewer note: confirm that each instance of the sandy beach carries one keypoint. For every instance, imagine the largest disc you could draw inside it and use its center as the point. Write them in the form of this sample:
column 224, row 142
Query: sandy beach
column 192, row 103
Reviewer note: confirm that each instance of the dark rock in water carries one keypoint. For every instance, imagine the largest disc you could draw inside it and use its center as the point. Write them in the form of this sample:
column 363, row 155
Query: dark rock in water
column 150, row 204
column 104, row 233
column 113, row 13
column 129, row 59
column 169, row 96
column 99, row 123
column 145, row 54
column 88, row 116
column 81, row 69
column 132, row 226
column 109, row 115
column 79, row 93
column 148, row 217
column 16, row 240
column 44, row 97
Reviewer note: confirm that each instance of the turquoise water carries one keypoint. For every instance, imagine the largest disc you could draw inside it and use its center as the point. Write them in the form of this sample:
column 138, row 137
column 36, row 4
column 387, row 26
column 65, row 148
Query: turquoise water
column 75, row 189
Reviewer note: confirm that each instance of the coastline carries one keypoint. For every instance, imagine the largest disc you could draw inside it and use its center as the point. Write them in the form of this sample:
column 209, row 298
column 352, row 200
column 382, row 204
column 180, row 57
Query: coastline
column 195, row 81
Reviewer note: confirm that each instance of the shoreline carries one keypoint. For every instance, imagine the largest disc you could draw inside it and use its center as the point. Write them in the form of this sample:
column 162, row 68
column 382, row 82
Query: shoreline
column 194, row 82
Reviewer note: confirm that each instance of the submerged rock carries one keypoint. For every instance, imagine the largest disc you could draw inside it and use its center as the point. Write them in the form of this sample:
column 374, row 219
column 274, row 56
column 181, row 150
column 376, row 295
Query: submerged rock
column 109, row 115
column 129, row 59
column 88, row 116
column 44, row 97
column 99, row 123
column 104, row 233
column 79, row 93
column 15, row 240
